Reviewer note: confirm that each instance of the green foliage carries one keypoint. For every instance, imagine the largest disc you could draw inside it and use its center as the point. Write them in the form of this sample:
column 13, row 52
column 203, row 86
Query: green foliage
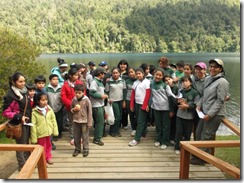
column 17, row 53
column 126, row 26
column 231, row 154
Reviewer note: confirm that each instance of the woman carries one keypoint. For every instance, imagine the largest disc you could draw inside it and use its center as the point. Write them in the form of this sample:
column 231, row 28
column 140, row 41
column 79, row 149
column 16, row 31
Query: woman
column 123, row 66
column 61, row 70
column 212, row 104
column 14, row 104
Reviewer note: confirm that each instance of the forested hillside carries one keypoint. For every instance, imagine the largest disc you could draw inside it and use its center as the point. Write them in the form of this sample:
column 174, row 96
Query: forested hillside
column 86, row 26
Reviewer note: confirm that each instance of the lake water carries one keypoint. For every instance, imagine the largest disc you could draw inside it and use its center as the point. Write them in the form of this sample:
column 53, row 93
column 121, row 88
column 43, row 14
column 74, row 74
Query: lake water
column 231, row 64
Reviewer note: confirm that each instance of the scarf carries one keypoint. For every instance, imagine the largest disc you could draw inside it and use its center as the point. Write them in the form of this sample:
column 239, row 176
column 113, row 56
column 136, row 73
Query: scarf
column 19, row 92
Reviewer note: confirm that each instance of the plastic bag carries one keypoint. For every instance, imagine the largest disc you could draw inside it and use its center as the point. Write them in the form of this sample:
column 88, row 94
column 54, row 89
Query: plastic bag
column 110, row 113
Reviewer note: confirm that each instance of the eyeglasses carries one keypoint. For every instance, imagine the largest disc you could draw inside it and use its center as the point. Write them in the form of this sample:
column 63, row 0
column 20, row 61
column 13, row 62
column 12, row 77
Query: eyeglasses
column 214, row 66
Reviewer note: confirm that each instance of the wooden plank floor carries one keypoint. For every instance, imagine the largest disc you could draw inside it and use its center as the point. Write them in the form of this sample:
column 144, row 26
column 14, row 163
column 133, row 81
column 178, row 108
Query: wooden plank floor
column 117, row 160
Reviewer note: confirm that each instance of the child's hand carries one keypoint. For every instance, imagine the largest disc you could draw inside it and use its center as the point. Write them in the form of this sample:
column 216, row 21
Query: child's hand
column 147, row 109
column 132, row 109
column 183, row 106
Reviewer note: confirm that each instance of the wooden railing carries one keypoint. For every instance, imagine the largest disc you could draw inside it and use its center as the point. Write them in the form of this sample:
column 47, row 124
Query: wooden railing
column 192, row 147
column 37, row 158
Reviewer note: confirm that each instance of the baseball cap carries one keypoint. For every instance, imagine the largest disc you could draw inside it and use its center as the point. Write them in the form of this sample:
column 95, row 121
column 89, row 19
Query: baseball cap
column 103, row 63
column 91, row 63
column 218, row 61
column 201, row 64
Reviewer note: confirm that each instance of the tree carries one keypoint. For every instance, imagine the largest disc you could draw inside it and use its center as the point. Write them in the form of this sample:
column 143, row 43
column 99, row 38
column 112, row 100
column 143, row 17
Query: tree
column 17, row 54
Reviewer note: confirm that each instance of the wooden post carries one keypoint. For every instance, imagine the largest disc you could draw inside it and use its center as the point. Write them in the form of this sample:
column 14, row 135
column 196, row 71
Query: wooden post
column 184, row 164
column 42, row 167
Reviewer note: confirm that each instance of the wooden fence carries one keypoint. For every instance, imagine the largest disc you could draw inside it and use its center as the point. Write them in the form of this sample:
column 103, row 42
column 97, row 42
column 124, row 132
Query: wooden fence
column 37, row 158
column 192, row 147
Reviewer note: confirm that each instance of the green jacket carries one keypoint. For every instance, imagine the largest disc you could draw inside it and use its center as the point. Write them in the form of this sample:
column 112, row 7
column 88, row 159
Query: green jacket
column 43, row 126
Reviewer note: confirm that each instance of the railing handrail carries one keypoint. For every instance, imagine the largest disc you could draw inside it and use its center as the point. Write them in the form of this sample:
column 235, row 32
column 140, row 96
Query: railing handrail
column 36, row 158
column 192, row 147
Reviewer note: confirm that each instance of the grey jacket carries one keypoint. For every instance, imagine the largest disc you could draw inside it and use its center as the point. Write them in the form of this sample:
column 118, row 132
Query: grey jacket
column 213, row 100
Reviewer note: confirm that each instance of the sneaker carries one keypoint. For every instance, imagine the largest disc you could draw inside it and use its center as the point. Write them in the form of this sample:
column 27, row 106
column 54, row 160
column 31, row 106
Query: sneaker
column 85, row 153
column 177, row 152
column 156, row 144
column 196, row 161
column 125, row 127
column 76, row 152
column 133, row 133
column 72, row 142
column 172, row 142
column 98, row 142
column 163, row 147
column 133, row 143
column 50, row 162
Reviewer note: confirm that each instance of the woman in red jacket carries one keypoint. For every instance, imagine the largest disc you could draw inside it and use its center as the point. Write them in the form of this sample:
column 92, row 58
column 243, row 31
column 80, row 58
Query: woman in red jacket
column 68, row 93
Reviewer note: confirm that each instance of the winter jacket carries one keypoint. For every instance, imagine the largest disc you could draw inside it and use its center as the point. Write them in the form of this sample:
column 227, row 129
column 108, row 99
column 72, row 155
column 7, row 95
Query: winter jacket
column 160, row 93
column 68, row 93
column 85, row 113
column 13, row 107
column 54, row 97
column 215, row 91
column 43, row 126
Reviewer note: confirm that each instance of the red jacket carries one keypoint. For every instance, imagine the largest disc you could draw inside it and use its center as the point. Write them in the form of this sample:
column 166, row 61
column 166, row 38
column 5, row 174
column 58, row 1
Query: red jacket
column 68, row 93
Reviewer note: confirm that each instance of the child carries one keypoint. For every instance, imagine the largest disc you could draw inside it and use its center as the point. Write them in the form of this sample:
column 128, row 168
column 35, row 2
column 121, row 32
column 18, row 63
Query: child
column 186, row 112
column 67, row 94
column 149, row 76
column 82, row 119
column 44, row 125
column 53, row 90
column 179, row 73
column 188, row 71
column 174, row 88
column 160, row 97
column 114, row 88
column 139, row 103
column 31, row 93
column 97, row 97
column 40, row 82
column 61, row 70
column 129, row 82
column 123, row 66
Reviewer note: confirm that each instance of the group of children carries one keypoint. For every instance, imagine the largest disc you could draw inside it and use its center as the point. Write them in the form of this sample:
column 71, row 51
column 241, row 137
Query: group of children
column 146, row 94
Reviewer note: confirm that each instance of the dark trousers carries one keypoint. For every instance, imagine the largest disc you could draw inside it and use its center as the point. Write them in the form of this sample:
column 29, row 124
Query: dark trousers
column 98, row 118
column 172, row 127
column 162, row 122
column 59, row 119
column 124, row 120
column 117, row 109
column 132, row 116
column 22, row 156
column 207, row 130
column 183, row 127
column 141, row 128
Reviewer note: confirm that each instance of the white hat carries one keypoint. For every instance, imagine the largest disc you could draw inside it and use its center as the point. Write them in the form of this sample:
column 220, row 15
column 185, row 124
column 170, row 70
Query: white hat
column 218, row 61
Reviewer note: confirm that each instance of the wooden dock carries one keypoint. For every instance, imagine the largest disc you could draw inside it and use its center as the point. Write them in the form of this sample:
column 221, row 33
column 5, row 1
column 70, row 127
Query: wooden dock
column 117, row 160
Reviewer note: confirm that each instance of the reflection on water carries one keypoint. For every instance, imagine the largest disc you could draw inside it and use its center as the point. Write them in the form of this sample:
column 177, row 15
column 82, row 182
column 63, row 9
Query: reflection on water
column 231, row 66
